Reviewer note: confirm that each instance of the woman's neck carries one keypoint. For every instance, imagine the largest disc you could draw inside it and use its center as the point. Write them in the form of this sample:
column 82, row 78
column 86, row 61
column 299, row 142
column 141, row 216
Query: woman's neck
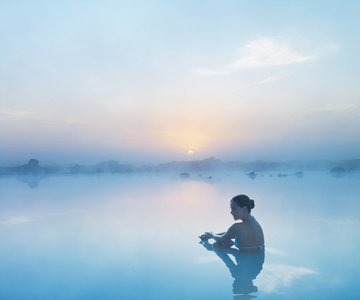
column 247, row 217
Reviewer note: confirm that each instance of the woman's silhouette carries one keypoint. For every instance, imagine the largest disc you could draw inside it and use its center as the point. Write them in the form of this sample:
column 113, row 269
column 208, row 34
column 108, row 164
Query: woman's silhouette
column 247, row 235
column 248, row 238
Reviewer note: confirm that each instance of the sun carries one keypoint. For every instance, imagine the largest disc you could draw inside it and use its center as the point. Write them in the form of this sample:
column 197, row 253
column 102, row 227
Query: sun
column 190, row 152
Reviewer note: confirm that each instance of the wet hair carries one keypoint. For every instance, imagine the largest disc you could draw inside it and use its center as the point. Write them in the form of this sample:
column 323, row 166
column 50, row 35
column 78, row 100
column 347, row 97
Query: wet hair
column 243, row 200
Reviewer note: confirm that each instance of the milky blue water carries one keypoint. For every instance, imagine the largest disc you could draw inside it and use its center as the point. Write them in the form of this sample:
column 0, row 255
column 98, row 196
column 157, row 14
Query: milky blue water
column 136, row 237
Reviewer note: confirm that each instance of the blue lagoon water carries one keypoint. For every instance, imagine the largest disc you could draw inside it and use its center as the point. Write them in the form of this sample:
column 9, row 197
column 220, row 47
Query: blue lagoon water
column 136, row 237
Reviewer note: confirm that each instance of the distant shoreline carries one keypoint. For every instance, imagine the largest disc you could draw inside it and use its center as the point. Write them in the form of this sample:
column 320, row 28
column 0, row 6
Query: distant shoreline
column 33, row 167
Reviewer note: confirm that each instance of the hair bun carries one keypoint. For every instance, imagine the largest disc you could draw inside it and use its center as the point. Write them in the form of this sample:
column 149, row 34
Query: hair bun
column 252, row 203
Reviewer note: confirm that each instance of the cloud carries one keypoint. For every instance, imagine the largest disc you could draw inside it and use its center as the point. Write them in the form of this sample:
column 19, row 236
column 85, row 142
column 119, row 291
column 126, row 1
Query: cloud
column 275, row 251
column 202, row 71
column 15, row 221
column 276, row 276
column 264, row 52
column 13, row 113
column 336, row 222
column 334, row 107
column 270, row 79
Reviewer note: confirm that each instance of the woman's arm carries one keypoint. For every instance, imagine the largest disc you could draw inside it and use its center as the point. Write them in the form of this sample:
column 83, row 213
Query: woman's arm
column 209, row 235
column 220, row 237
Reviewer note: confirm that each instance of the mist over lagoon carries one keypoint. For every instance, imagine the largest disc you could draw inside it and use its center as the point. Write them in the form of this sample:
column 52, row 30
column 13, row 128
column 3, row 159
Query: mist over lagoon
column 118, row 230
column 135, row 235
column 33, row 172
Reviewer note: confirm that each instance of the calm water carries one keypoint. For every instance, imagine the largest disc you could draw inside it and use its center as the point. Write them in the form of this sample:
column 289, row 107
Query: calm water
column 136, row 237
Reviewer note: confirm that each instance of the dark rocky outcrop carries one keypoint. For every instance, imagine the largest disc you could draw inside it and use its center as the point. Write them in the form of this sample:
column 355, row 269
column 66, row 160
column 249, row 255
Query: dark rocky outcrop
column 299, row 174
column 252, row 175
column 32, row 167
column 112, row 166
column 337, row 170
column 208, row 164
column 184, row 175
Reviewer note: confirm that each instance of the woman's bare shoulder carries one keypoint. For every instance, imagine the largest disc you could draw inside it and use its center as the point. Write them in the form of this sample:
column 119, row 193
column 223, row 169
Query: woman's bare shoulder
column 237, row 226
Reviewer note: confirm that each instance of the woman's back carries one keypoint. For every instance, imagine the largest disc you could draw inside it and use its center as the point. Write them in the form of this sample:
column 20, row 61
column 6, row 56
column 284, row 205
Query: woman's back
column 249, row 234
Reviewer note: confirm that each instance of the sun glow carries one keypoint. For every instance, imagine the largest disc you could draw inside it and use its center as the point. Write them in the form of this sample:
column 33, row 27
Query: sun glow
column 190, row 152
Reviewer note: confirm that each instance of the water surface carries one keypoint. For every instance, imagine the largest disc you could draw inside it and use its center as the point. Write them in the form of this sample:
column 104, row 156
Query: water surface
column 136, row 236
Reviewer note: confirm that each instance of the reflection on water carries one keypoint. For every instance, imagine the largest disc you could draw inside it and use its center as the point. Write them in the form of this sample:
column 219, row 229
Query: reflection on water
column 135, row 236
column 32, row 181
column 247, row 267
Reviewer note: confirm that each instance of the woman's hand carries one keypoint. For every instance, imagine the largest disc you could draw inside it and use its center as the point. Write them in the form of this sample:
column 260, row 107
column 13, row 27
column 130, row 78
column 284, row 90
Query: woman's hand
column 206, row 236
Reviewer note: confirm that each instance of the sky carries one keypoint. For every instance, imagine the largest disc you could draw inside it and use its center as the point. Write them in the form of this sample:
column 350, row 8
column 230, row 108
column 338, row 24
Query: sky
column 149, row 81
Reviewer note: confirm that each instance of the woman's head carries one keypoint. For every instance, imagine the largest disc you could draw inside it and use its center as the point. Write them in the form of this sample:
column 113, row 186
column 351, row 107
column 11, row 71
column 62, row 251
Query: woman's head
column 243, row 200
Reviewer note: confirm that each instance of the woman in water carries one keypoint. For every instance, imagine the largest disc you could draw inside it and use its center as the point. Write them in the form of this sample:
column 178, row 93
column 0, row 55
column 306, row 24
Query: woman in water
column 248, row 234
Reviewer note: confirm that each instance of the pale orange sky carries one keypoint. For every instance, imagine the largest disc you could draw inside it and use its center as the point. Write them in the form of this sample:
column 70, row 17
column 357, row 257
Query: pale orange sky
column 149, row 84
